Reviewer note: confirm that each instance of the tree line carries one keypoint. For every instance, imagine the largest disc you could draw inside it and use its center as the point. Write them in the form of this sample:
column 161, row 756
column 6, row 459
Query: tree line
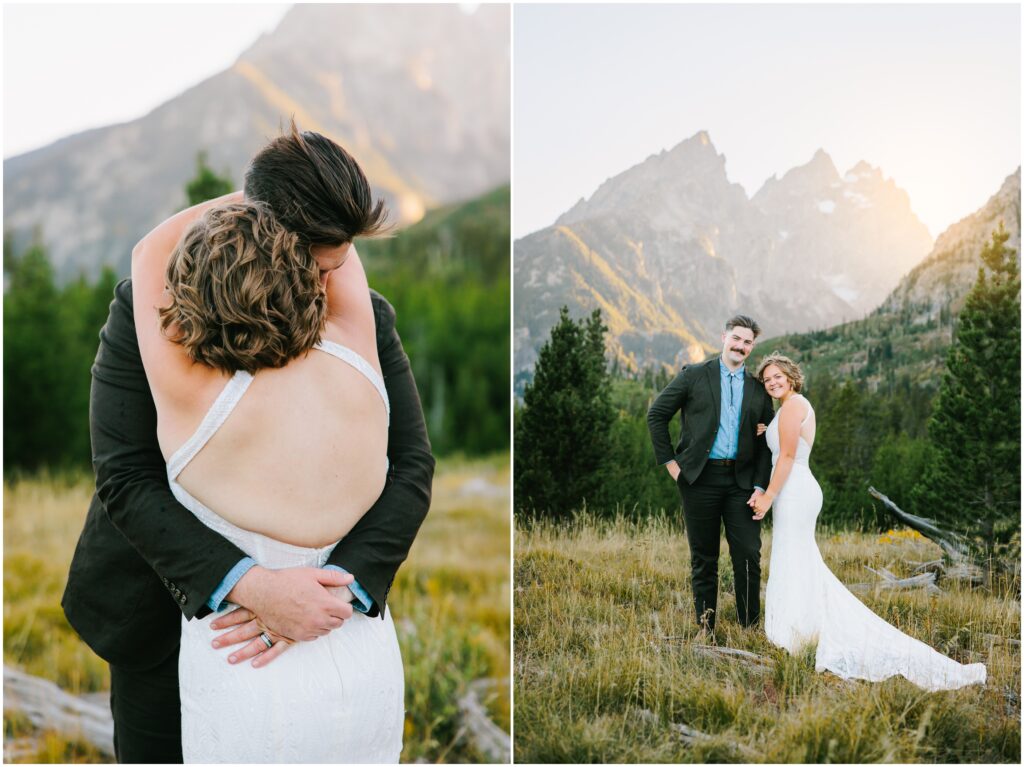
column 950, row 452
column 447, row 278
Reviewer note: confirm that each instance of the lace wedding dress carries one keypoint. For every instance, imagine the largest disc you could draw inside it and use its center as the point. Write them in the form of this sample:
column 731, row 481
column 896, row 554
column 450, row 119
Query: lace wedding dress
column 338, row 699
column 805, row 602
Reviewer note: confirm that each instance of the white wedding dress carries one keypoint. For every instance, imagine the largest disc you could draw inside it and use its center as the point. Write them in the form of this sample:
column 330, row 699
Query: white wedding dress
column 806, row 603
column 338, row 699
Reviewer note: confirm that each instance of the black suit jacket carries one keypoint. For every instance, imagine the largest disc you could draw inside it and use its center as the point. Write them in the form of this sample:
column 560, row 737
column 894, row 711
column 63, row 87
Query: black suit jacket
column 697, row 392
column 143, row 559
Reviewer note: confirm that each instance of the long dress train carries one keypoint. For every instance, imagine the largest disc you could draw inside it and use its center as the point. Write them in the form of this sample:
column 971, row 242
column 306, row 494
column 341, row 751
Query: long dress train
column 805, row 602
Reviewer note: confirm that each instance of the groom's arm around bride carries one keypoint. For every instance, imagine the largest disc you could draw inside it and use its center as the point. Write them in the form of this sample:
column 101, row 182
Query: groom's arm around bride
column 143, row 560
column 142, row 552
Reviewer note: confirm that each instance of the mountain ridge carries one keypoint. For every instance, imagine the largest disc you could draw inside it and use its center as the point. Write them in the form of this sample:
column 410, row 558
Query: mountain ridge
column 909, row 333
column 94, row 193
column 675, row 229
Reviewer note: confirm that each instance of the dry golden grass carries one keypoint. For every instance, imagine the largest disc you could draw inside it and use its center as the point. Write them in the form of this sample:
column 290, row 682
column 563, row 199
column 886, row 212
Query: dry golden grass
column 450, row 603
column 605, row 661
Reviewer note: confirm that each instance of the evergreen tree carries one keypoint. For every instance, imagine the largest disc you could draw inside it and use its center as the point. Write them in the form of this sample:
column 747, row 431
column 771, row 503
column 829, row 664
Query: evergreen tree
column 563, row 429
column 972, row 482
column 448, row 278
column 36, row 387
column 851, row 425
column 83, row 310
column 206, row 184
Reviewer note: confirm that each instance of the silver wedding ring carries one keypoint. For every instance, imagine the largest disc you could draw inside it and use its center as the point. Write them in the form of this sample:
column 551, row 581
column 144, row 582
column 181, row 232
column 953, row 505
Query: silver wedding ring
column 266, row 640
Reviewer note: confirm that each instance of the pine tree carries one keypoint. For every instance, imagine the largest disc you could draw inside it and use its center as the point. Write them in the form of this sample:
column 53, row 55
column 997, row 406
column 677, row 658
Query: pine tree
column 36, row 384
column 972, row 483
column 83, row 309
column 206, row 184
column 562, row 438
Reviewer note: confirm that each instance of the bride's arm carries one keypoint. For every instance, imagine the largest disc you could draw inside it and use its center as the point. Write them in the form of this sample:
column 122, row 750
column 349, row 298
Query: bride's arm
column 170, row 230
column 149, row 273
column 789, row 435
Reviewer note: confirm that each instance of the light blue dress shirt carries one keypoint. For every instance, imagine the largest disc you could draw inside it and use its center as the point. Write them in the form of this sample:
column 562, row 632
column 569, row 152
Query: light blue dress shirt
column 363, row 601
column 727, row 437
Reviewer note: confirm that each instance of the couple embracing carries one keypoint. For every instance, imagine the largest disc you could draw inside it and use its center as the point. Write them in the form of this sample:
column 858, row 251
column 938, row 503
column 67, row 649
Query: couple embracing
column 262, row 467
column 737, row 458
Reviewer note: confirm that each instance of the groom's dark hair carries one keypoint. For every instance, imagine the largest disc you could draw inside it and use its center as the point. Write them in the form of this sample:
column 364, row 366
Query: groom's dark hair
column 315, row 189
column 743, row 321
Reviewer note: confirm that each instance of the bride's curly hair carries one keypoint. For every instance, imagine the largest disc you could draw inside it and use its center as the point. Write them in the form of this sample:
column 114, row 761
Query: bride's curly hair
column 789, row 369
column 245, row 293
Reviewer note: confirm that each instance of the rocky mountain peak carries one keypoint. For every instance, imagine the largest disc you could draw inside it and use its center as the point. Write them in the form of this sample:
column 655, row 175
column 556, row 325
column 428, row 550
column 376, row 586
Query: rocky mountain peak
column 819, row 174
column 698, row 143
column 696, row 154
column 863, row 169
column 666, row 188
column 670, row 246
column 941, row 281
column 819, row 170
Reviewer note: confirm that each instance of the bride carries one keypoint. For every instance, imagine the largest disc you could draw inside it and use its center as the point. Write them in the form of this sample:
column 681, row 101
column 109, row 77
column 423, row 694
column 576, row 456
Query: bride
column 260, row 351
column 804, row 601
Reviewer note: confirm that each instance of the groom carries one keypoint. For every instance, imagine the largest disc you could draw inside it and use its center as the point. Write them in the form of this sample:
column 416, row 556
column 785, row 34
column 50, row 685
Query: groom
column 719, row 465
column 143, row 560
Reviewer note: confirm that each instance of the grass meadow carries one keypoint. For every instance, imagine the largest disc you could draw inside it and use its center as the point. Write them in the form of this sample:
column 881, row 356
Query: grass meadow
column 450, row 605
column 609, row 668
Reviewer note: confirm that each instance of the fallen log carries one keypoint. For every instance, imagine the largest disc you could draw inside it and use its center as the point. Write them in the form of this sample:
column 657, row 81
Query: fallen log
column 890, row 581
column 50, row 708
column 952, row 571
column 955, row 546
column 489, row 740
column 689, row 736
column 716, row 651
column 686, row 733
column 997, row 639
column 745, row 655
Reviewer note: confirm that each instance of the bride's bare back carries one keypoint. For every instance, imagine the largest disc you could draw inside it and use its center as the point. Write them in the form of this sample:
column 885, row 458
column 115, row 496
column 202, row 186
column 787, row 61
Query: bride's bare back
column 303, row 455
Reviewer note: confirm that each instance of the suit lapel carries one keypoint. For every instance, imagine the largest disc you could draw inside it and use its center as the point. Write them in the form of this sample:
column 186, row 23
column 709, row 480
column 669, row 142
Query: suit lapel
column 750, row 385
column 714, row 375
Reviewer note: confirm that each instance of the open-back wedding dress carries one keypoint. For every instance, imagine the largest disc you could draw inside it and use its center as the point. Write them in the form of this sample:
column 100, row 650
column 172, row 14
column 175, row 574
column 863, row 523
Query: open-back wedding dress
column 805, row 602
column 338, row 699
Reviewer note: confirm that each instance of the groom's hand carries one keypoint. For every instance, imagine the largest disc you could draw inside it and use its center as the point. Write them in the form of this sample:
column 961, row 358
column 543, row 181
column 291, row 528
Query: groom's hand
column 673, row 469
column 760, row 503
column 296, row 602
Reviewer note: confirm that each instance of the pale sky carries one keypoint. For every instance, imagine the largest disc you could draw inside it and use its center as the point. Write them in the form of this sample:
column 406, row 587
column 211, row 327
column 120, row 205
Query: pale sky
column 68, row 68
column 928, row 93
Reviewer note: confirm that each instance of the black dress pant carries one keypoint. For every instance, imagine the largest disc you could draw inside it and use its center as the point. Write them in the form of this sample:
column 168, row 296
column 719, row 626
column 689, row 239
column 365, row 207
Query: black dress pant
column 147, row 714
column 713, row 499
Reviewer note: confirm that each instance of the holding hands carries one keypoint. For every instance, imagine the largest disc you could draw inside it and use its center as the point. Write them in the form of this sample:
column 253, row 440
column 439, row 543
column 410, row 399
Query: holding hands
column 760, row 503
column 285, row 606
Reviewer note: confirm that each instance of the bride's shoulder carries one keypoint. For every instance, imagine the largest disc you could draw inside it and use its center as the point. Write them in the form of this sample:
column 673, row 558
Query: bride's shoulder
column 798, row 403
column 803, row 406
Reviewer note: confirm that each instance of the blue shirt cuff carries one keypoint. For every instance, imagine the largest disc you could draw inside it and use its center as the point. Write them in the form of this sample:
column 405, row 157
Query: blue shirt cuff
column 234, row 576
column 363, row 601
column 759, row 488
